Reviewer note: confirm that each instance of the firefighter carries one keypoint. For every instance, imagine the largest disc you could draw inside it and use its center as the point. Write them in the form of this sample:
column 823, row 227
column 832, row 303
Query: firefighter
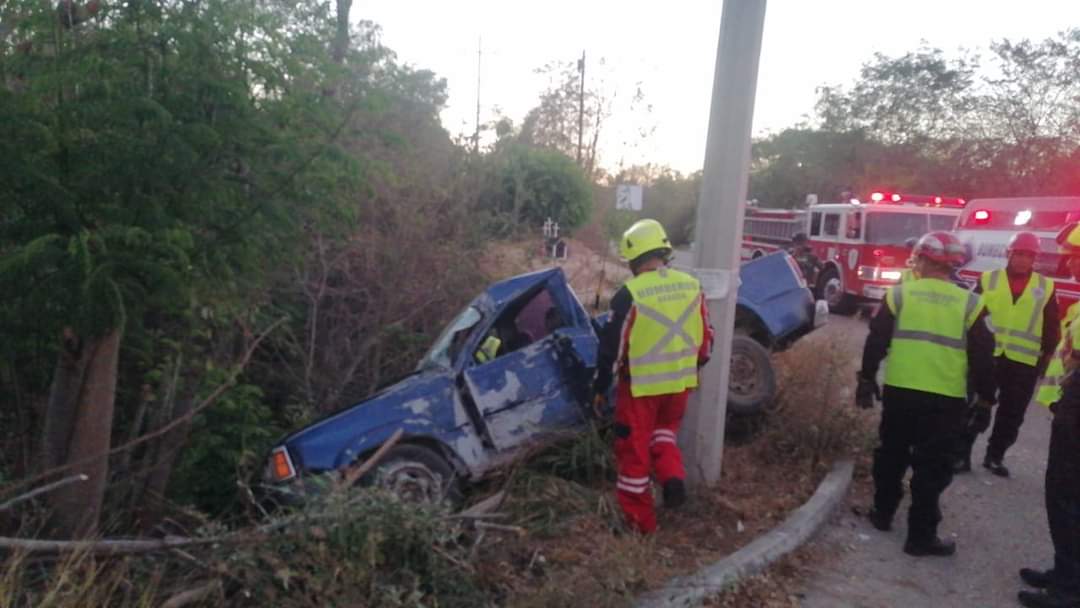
column 658, row 337
column 1060, row 390
column 933, row 332
column 804, row 256
column 1024, row 316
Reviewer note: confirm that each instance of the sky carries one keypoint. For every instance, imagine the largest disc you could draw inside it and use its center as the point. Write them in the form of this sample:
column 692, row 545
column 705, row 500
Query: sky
column 668, row 50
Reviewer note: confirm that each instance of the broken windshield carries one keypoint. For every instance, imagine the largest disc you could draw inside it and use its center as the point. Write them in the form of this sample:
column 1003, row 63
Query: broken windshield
column 450, row 341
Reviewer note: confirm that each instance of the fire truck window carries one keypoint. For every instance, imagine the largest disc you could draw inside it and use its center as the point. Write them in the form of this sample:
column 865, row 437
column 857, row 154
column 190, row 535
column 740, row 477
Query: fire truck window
column 942, row 222
column 894, row 228
column 853, row 228
column 815, row 224
column 832, row 224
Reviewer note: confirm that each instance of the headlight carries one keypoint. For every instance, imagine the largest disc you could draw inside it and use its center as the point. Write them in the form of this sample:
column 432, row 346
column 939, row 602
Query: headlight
column 891, row 275
column 875, row 273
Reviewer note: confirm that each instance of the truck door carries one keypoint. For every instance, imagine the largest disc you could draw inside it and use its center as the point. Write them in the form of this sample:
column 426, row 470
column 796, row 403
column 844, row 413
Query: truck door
column 524, row 390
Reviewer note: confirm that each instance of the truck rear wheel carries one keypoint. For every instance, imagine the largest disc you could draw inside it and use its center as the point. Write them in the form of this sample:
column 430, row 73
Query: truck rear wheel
column 751, row 380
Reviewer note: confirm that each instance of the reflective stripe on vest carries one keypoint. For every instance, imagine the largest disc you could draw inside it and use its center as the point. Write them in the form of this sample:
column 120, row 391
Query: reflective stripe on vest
column 1017, row 326
column 928, row 351
column 667, row 332
column 1049, row 391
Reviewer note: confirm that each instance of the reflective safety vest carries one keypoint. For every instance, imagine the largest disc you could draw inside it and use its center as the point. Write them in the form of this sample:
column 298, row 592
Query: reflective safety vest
column 907, row 276
column 928, row 351
column 1049, row 391
column 667, row 332
column 1017, row 326
column 488, row 349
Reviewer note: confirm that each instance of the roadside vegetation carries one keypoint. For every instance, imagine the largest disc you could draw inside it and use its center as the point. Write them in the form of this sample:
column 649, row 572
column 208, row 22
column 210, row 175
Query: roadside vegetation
column 221, row 220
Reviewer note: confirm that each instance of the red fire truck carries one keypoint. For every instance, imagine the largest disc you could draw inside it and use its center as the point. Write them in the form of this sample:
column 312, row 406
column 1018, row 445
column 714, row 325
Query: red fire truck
column 986, row 225
column 862, row 246
column 767, row 230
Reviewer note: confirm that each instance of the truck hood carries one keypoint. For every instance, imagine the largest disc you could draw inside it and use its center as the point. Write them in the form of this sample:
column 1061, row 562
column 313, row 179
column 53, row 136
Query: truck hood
column 421, row 400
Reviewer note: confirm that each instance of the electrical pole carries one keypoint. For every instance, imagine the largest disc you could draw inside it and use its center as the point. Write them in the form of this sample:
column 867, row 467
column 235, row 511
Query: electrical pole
column 719, row 225
column 476, row 135
column 581, row 107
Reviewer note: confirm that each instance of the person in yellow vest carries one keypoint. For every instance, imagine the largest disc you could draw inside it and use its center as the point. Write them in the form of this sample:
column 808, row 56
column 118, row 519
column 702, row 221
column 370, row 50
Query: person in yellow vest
column 1060, row 390
column 934, row 334
column 1024, row 317
column 657, row 338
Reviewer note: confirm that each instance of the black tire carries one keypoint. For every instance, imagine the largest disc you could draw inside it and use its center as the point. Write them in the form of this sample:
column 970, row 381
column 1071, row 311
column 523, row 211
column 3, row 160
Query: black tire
column 417, row 474
column 752, row 379
column 830, row 289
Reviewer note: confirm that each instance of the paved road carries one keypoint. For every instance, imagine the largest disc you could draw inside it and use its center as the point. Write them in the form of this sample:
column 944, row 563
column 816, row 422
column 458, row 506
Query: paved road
column 999, row 525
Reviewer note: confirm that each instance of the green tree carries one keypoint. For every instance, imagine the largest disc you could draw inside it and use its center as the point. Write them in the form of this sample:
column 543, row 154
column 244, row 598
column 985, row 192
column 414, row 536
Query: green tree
column 154, row 160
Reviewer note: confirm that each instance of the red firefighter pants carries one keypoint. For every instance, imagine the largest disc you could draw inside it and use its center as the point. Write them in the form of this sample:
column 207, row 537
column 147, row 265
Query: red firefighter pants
column 645, row 440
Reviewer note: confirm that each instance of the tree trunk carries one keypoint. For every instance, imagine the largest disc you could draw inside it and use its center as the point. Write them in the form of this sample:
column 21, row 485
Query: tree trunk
column 63, row 400
column 77, row 508
column 164, row 459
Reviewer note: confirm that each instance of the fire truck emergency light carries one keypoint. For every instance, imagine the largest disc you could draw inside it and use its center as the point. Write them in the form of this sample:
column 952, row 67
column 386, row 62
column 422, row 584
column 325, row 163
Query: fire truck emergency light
column 1022, row 217
column 982, row 215
column 877, row 197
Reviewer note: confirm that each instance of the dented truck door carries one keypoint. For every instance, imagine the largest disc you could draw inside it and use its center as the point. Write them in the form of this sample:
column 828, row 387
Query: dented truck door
column 523, row 395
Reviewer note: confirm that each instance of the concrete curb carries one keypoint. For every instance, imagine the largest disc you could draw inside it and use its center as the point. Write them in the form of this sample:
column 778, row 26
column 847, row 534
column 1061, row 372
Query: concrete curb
column 753, row 558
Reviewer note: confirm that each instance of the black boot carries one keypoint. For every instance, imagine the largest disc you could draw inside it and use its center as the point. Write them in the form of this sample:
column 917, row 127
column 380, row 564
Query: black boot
column 995, row 466
column 1036, row 578
column 1048, row 599
column 880, row 520
column 674, row 493
column 932, row 547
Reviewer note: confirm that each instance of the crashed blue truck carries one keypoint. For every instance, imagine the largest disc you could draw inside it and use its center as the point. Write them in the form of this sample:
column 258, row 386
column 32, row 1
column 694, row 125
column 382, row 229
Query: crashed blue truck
column 463, row 415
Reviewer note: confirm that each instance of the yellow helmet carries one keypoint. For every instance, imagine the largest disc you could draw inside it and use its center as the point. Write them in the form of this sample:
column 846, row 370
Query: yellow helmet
column 641, row 238
column 1069, row 239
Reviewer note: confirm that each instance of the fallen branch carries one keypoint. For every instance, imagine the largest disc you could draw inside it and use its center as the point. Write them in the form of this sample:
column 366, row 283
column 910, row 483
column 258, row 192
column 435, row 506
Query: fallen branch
column 42, row 490
column 192, row 595
column 484, row 507
column 352, row 475
column 483, row 525
column 110, row 547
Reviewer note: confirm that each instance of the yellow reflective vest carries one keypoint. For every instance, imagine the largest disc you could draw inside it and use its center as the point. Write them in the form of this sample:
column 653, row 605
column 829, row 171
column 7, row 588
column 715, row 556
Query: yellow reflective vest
column 666, row 334
column 1018, row 326
column 1049, row 391
column 928, row 351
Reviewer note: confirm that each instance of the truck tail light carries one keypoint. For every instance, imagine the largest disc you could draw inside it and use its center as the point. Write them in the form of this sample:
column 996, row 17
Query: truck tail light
column 281, row 466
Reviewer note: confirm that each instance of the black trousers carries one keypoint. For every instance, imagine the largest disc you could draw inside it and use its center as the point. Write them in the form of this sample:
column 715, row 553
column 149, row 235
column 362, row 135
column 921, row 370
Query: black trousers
column 1063, row 487
column 918, row 430
column 1016, row 386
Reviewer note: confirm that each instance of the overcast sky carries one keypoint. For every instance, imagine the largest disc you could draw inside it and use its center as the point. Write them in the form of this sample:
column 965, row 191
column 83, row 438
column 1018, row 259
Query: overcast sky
column 670, row 49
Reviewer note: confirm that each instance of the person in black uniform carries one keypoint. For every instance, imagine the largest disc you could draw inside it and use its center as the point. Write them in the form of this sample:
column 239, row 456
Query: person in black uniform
column 1060, row 585
column 934, row 334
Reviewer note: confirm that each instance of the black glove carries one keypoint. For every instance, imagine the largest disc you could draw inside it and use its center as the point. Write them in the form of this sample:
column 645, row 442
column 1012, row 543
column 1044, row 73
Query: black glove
column 866, row 391
column 978, row 417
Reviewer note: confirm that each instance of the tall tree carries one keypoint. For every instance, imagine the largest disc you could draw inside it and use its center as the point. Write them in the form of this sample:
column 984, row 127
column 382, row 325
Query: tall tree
column 154, row 158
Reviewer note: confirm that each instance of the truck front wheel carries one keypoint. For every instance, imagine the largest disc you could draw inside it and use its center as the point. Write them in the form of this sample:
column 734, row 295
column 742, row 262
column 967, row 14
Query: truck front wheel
column 831, row 289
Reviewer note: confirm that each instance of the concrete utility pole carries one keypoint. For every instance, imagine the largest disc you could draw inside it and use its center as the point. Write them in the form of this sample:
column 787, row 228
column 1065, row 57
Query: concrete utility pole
column 719, row 224
column 581, row 107
column 479, row 59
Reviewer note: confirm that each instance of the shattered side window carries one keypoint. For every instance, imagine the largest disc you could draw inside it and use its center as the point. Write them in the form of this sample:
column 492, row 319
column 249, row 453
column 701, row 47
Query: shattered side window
column 451, row 340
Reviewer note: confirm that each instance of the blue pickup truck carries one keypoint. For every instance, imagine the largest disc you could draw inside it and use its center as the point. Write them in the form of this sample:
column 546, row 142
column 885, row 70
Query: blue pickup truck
column 465, row 412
